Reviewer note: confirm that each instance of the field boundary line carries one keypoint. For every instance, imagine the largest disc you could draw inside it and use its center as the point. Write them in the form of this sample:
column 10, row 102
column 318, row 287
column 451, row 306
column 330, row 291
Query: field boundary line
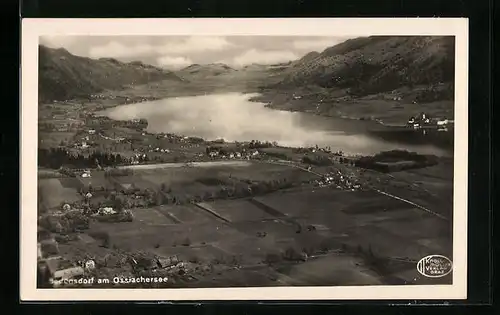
column 213, row 212
column 412, row 203
column 379, row 191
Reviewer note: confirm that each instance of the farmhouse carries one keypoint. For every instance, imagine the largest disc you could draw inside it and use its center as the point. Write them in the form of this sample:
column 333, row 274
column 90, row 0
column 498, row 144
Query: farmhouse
column 89, row 265
column 167, row 262
column 106, row 211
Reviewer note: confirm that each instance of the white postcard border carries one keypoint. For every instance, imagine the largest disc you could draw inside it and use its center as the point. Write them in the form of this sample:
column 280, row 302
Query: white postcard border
column 33, row 28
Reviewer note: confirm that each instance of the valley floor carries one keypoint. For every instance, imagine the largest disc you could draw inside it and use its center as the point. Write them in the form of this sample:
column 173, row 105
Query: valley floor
column 258, row 220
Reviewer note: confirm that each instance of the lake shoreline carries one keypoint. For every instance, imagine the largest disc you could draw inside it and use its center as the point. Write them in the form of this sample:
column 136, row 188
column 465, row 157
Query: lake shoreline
column 352, row 127
column 140, row 95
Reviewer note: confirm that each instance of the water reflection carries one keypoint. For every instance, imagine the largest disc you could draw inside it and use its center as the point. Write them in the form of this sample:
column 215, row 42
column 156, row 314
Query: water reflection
column 233, row 117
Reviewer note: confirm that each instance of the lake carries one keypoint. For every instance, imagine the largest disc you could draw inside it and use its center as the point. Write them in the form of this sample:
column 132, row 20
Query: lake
column 233, row 117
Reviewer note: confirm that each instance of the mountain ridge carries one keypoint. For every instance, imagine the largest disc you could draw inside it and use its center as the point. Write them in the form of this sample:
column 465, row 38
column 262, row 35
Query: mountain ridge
column 376, row 64
column 63, row 75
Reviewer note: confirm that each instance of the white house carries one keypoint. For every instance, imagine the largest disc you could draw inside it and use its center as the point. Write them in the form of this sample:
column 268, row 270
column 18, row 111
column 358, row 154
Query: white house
column 106, row 211
column 89, row 265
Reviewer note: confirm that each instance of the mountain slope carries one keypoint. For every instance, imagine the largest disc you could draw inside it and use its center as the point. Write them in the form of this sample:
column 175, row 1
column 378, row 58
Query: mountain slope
column 64, row 76
column 376, row 64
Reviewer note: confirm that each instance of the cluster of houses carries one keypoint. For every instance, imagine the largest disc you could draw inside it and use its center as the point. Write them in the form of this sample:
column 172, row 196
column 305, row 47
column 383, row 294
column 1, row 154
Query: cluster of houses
column 53, row 268
column 338, row 180
column 102, row 96
column 82, row 145
column 224, row 154
column 423, row 120
column 159, row 150
column 56, row 271
column 137, row 158
column 68, row 125
column 97, row 96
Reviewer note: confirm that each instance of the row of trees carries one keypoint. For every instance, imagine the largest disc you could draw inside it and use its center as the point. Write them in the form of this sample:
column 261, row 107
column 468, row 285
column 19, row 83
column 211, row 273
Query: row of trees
column 396, row 160
column 256, row 144
column 317, row 160
column 57, row 157
column 70, row 222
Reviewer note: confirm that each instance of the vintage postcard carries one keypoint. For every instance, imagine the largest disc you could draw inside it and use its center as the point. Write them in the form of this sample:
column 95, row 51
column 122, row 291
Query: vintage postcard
column 244, row 159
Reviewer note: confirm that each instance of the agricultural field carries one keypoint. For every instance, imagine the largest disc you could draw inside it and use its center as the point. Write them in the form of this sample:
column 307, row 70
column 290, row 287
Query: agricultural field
column 151, row 216
column 244, row 241
column 188, row 214
column 302, row 203
column 54, row 139
column 53, row 193
column 245, row 277
column 366, row 218
column 98, row 181
column 239, row 210
column 331, row 270
column 134, row 181
column 72, row 183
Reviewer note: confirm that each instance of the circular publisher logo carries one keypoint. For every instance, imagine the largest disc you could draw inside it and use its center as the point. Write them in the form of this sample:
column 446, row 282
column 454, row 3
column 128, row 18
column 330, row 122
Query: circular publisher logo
column 434, row 266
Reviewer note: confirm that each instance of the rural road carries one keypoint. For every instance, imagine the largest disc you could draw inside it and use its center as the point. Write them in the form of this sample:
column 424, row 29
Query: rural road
column 189, row 164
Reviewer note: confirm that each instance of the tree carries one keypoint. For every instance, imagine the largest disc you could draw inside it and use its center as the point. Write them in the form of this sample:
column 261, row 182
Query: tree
column 159, row 199
column 118, row 204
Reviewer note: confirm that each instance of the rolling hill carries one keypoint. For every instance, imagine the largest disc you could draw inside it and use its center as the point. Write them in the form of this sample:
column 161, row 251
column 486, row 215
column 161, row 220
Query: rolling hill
column 207, row 70
column 377, row 64
column 63, row 75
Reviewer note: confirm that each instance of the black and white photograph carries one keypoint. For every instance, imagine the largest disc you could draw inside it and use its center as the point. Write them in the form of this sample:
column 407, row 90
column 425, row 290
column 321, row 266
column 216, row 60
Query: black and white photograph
column 198, row 160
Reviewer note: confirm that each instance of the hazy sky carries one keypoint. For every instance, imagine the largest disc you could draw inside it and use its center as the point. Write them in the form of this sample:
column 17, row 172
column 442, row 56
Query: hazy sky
column 175, row 52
